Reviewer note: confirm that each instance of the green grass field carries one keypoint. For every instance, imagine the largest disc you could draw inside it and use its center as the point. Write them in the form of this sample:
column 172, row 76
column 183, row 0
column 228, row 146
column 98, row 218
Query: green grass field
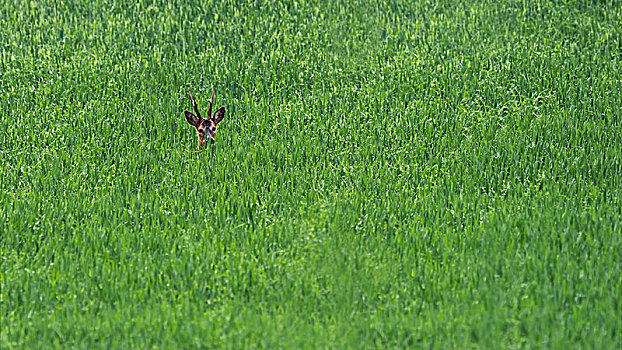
column 389, row 174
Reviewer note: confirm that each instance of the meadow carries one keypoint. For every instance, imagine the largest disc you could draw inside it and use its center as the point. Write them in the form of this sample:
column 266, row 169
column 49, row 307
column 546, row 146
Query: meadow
column 389, row 174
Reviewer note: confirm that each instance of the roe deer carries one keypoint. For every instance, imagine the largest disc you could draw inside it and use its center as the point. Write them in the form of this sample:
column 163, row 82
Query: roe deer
column 206, row 128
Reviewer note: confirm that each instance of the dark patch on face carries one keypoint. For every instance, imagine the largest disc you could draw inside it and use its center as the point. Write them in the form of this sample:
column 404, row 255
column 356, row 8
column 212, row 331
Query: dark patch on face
column 207, row 129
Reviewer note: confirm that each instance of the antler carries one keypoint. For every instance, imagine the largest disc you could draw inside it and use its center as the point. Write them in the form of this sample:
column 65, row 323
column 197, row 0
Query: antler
column 211, row 101
column 196, row 108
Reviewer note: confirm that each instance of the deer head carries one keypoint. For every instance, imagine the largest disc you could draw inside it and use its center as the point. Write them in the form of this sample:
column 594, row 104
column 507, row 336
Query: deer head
column 206, row 128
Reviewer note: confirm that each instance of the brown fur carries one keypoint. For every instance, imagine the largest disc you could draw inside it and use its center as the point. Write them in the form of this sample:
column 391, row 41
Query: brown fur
column 206, row 127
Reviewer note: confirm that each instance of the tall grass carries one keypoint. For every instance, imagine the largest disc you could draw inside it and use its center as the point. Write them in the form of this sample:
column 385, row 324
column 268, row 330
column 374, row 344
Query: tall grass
column 388, row 174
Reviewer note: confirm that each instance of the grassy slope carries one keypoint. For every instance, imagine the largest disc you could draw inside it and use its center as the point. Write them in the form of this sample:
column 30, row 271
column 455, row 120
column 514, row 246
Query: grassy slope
column 402, row 173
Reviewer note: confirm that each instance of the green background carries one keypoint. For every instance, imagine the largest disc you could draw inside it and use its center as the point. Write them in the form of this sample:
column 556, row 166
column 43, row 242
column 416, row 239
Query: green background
column 389, row 174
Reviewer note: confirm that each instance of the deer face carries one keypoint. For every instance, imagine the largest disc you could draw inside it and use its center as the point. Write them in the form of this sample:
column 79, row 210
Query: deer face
column 206, row 128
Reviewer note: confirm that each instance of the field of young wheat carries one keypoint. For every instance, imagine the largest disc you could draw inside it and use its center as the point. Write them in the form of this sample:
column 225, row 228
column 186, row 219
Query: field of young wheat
column 388, row 174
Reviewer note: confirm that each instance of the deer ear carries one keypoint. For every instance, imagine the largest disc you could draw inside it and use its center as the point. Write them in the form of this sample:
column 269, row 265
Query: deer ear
column 191, row 118
column 220, row 113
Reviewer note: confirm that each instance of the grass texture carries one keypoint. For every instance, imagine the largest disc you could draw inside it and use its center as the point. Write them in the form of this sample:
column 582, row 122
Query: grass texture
column 389, row 174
